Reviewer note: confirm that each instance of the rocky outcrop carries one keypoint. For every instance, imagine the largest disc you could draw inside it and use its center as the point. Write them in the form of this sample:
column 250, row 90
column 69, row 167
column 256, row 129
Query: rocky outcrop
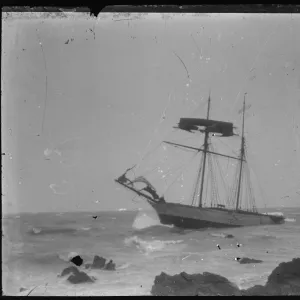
column 184, row 284
column 284, row 280
column 100, row 263
column 110, row 266
column 247, row 260
column 77, row 260
column 76, row 276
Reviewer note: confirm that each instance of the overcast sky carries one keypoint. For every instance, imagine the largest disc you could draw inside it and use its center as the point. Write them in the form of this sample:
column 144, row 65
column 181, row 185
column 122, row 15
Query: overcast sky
column 82, row 98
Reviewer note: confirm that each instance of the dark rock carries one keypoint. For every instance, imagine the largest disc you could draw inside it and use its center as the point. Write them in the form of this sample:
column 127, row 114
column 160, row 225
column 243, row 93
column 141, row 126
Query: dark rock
column 257, row 290
column 76, row 275
column 247, row 260
column 284, row 280
column 23, row 289
column 285, row 272
column 77, row 260
column 184, row 284
column 229, row 236
column 69, row 270
column 80, row 277
column 111, row 266
column 98, row 262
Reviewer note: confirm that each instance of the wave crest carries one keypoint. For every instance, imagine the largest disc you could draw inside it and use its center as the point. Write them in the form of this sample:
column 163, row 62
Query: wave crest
column 144, row 220
column 149, row 246
column 290, row 220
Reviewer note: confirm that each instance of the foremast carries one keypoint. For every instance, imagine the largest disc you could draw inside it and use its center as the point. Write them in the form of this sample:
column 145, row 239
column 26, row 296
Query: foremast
column 242, row 158
column 205, row 154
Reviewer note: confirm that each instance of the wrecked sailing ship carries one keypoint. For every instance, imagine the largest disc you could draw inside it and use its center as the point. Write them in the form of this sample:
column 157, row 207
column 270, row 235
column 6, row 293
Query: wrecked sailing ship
column 213, row 213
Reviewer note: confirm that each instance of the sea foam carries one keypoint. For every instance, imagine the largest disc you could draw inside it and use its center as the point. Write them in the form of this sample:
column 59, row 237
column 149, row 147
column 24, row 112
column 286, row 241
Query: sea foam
column 149, row 246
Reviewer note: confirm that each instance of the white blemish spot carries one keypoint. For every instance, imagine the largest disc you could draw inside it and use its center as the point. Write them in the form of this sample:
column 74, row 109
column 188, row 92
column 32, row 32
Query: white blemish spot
column 47, row 152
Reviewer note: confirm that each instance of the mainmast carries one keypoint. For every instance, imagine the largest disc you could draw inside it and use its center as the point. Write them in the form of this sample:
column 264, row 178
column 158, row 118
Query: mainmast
column 241, row 158
column 205, row 151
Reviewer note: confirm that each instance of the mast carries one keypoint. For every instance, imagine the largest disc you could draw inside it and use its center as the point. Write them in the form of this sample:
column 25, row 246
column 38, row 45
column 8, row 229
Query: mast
column 241, row 158
column 205, row 151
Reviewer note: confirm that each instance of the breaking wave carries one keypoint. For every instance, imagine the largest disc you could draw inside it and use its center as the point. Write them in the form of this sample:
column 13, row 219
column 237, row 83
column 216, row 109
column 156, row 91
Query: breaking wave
column 146, row 220
column 85, row 228
column 149, row 246
column 143, row 221
column 45, row 231
column 275, row 213
column 290, row 220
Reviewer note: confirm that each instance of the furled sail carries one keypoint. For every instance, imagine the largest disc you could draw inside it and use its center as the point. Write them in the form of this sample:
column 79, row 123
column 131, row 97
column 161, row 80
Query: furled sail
column 224, row 128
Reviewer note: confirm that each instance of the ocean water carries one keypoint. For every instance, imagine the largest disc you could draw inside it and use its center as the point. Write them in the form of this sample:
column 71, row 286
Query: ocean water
column 36, row 247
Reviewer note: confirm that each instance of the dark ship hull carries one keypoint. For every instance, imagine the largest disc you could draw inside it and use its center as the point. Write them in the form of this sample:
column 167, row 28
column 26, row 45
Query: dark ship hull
column 189, row 217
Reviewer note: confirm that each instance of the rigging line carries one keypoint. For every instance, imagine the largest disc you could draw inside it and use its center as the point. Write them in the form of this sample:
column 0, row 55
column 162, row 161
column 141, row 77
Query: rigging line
column 260, row 188
column 185, row 148
column 206, row 188
column 197, row 182
column 254, row 62
column 183, row 139
column 248, row 187
column 220, row 170
column 151, row 152
column 249, row 182
column 187, row 72
column 220, row 139
column 46, row 88
column 214, row 182
column 262, row 193
column 210, row 172
column 174, row 170
column 235, row 190
column 180, row 173
column 227, row 165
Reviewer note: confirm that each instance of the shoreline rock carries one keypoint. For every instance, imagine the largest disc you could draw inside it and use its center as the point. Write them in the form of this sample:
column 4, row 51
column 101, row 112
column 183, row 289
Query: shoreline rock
column 100, row 263
column 76, row 276
column 77, row 260
column 184, row 284
column 283, row 280
column 247, row 260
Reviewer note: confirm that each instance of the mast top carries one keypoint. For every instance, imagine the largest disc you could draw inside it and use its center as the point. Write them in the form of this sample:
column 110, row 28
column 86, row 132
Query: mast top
column 244, row 105
column 208, row 108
